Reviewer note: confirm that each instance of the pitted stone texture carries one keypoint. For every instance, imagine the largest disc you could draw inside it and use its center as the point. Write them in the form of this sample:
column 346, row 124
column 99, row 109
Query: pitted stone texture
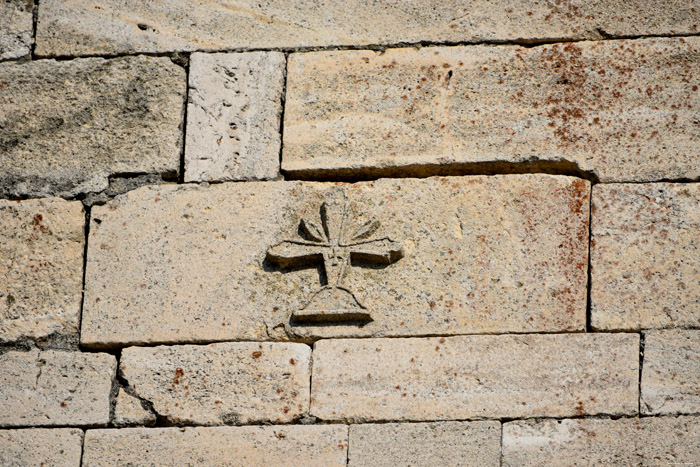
column 66, row 126
column 55, row 388
column 627, row 441
column 425, row 444
column 129, row 411
column 41, row 268
column 645, row 256
column 233, row 116
column 227, row 383
column 15, row 28
column 481, row 254
column 623, row 110
column 671, row 372
column 322, row 446
column 555, row 375
column 41, row 446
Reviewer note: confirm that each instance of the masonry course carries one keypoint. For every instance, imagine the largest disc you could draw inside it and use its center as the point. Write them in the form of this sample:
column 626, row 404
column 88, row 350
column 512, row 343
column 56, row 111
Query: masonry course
column 41, row 446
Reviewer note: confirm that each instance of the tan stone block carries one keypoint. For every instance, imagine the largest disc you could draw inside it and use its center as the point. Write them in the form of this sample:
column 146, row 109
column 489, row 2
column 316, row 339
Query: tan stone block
column 627, row 441
column 129, row 411
column 41, row 266
column 645, row 256
column 233, row 116
column 671, row 372
column 227, row 383
column 15, row 28
column 55, row 388
column 41, row 446
column 556, row 375
column 480, row 254
column 425, row 444
column 621, row 110
column 65, row 126
column 321, row 445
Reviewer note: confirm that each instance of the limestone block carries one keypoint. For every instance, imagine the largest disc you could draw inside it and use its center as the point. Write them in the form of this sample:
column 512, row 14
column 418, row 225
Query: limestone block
column 129, row 411
column 620, row 110
column 628, row 441
column 645, row 256
column 295, row 445
column 432, row 256
column 227, row 383
column 15, row 28
column 415, row 379
column 41, row 266
column 233, row 116
column 55, row 388
column 65, row 126
column 59, row 447
column 425, row 444
column 671, row 372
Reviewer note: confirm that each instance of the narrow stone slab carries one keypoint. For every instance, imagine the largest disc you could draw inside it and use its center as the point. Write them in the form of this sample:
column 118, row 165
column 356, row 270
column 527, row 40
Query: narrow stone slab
column 645, row 256
column 55, row 388
column 227, row 383
column 66, row 126
column 425, row 444
column 41, row 446
column 620, row 110
column 445, row 256
column 15, row 28
column 671, row 372
column 233, row 116
column 557, row 375
column 627, row 441
column 41, row 266
column 321, row 445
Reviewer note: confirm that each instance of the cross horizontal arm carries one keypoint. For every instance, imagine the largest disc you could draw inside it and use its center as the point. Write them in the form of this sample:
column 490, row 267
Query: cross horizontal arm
column 294, row 253
column 380, row 251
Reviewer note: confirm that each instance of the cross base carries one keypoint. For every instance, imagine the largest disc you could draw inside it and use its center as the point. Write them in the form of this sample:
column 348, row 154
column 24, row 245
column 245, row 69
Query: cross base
column 331, row 305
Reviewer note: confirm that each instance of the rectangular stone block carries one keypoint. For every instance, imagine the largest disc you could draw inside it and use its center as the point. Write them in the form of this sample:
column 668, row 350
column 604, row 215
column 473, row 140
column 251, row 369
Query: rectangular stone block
column 65, row 126
column 41, row 446
column 321, row 445
column 671, row 372
column 55, row 388
column 227, row 383
column 627, row 441
column 605, row 108
column 416, row 379
column 645, row 256
column 475, row 444
column 41, row 265
column 233, row 116
column 16, row 28
column 411, row 257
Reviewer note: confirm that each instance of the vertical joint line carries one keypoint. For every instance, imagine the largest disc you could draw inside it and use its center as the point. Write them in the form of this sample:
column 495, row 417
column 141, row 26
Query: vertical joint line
column 181, row 169
column 35, row 21
column 283, row 102
column 641, row 365
column 588, row 270
column 88, row 213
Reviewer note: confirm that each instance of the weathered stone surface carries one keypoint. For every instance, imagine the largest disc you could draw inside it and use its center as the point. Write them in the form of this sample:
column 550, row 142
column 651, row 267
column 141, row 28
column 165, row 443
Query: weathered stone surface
column 627, row 441
column 425, row 444
column 624, row 110
column 55, row 388
column 555, row 375
column 227, row 383
column 645, row 256
column 322, row 446
column 15, row 28
column 129, row 411
column 66, row 126
column 671, row 372
column 480, row 254
column 41, row 446
column 233, row 116
column 41, row 268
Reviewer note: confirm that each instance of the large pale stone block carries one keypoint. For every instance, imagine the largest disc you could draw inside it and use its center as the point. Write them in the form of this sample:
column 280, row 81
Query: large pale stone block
column 41, row 447
column 15, row 28
column 671, row 372
column 65, row 126
column 556, row 375
column 41, row 266
column 233, row 116
column 627, row 441
column 55, row 388
column 227, row 383
column 322, row 446
column 425, row 444
column 621, row 110
column 451, row 255
column 645, row 256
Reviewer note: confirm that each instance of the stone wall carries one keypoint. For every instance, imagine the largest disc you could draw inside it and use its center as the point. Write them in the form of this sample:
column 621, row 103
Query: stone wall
column 349, row 233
